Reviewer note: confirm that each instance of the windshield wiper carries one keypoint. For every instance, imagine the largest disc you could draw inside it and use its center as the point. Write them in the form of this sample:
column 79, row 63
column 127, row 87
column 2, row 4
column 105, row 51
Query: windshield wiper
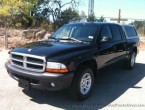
column 53, row 38
column 70, row 38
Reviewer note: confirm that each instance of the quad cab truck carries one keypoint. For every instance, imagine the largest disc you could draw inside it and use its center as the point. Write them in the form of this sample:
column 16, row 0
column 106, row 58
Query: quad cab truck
column 71, row 57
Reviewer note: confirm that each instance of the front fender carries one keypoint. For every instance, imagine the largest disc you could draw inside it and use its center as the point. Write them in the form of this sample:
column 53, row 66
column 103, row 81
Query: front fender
column 80, row 61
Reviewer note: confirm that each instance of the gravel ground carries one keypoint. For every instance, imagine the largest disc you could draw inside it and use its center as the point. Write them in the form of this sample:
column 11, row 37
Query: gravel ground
column 116, row 89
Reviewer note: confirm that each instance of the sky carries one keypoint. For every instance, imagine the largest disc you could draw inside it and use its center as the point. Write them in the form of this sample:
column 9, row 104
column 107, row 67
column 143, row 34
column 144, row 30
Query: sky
column 109, row 8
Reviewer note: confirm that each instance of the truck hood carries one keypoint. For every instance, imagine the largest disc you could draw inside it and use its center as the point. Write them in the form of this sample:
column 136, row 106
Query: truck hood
column 52, row 49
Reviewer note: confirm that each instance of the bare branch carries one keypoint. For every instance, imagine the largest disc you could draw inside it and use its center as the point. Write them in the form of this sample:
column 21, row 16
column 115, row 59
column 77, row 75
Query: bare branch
column 74, row 3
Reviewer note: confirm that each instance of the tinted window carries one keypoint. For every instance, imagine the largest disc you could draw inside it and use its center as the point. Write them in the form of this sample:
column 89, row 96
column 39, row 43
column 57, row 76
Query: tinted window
column 106, row 32
column 80, row 32
column 122, row 32
column 84, row 33
column 116, row 32
column 131, row 32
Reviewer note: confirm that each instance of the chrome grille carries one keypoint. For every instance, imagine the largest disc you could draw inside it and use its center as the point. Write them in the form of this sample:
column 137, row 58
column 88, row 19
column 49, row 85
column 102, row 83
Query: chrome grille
column 28, row 62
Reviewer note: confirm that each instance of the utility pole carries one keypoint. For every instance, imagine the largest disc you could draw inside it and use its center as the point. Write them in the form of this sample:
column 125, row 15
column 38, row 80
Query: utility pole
column 119, row 16
column 119, row 19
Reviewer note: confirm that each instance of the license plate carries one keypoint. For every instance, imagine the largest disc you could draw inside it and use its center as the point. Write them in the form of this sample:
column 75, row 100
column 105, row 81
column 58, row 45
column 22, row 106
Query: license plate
column 24, row 84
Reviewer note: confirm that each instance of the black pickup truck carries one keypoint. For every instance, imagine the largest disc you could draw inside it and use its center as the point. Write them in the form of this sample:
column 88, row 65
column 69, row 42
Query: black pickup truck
column 71, row 57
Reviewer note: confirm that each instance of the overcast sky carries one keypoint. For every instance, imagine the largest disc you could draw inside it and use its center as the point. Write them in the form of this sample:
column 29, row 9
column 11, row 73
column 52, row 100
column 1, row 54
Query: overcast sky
column 109, row 8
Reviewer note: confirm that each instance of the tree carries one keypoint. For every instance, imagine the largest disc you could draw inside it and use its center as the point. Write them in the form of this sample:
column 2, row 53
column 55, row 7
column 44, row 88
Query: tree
column 26, row 17
column 91, row 18
column 83, row 16
column 138, row 24
column 101, row 19
column 29, row 12
column 69, row 15
column 14, row 12
column 53, row 8
column 8, row 8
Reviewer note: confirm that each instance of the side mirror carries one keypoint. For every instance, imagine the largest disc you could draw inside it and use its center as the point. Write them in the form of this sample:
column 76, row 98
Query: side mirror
column 105, row 39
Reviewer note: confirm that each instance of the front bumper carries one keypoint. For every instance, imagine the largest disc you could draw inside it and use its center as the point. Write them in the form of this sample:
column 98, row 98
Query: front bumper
column 41, row 80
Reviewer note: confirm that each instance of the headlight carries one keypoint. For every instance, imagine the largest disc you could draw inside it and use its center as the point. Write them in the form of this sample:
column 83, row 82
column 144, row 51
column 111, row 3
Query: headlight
column 55, row 67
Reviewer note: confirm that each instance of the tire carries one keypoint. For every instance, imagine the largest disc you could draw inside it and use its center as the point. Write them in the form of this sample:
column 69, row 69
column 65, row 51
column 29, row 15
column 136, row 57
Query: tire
column 130, row 63
column 82, row 84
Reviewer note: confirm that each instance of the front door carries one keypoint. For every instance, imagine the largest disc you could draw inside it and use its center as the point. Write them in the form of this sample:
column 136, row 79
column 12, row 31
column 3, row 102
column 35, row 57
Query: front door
column 106, row 51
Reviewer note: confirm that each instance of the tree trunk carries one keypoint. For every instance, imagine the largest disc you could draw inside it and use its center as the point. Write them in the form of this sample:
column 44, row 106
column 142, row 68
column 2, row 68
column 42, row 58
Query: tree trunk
column 6, row 36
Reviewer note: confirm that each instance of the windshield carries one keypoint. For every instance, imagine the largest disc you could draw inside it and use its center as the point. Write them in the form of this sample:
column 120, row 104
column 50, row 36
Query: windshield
column 82, row 33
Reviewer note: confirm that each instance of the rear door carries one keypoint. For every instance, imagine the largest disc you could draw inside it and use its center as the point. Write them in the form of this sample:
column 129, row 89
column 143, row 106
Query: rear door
column 119, row 41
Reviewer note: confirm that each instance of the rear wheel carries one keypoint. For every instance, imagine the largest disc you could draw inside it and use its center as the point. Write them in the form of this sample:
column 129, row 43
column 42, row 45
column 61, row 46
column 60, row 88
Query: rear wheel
column 82, row 84
column 129, row 64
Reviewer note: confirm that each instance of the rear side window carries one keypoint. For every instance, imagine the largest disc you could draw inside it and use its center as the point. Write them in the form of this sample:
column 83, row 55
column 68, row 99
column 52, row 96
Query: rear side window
column 122, row 32
column 106, row 32
column 116, row 32
column 131, row 32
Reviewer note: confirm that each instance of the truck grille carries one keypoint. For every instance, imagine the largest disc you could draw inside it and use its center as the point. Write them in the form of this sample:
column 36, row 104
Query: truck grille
column 28, row 62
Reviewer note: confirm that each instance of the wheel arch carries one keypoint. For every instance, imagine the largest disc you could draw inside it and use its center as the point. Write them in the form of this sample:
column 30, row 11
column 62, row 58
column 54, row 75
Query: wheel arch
column 92, row 63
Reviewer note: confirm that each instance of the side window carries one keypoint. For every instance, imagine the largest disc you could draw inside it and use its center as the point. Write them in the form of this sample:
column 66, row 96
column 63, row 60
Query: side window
column 122, row 32
column 116, row 32
column 131, row 32
column 106, row 32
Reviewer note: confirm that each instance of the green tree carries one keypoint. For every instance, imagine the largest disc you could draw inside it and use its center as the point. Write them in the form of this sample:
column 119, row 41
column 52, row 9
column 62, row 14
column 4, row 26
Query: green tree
column 69, row 15
column 83, row 16
column 26, row 17
column 138, row 24
column 91, row 18
column 53, row 8
column 29, row 12
column 101, row 19
column 8, row 9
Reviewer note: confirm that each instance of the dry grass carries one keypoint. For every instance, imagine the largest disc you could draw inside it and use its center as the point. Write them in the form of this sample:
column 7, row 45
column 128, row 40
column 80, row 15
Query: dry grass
column 14, row 38
column 142, row 46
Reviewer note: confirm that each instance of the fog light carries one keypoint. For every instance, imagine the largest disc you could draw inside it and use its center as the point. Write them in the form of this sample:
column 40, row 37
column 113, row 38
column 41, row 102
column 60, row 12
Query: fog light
column 52, row 84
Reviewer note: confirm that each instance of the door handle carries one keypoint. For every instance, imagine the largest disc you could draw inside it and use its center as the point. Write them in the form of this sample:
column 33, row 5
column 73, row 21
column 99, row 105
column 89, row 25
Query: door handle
column 124, row 45
column 114, row 48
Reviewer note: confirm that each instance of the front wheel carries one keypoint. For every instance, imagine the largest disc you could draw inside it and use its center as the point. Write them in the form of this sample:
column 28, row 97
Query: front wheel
column 82, row 84
column 131, row 62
